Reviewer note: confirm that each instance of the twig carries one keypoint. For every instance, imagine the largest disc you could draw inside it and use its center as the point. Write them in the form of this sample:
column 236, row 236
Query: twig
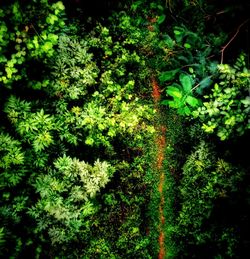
column 236, row 33
column 32, row 25
column 198, row 84
column 169, row 5
column 221, row 12
column 39, row 36
column 189, row 65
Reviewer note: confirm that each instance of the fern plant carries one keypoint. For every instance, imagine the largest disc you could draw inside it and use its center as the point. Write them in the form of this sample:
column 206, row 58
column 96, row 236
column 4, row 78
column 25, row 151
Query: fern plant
column 74, row 70
column 12, row 157
column 67, row 195
column 35, row 128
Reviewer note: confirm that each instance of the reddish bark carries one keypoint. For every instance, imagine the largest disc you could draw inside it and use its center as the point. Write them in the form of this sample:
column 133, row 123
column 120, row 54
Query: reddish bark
column 161, row 143
column 156, row 91
column 161, row 242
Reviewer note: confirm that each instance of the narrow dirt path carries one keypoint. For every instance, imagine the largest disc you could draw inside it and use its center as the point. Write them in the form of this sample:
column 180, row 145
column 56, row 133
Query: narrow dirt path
column 160, row 146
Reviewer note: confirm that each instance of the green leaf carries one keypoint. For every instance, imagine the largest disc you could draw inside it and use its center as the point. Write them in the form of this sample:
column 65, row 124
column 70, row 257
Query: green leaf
column 246, row 101
column 230, row 121
column 205, row 82
column 168, row 41
column 135, row 5
column 53, row 38
column 187, row 46
column 222, row 135
column 176, row 32
column 184, row 111
column 161, row 19
column 186, row 82
column 209, row 128
column 175, row 104
column 89, row 141
column 160, row 7
column 192, row 101
column 51, row 19
column 174, row 92
column 179, row 34
column 47, row 46
column 59, row 5
column 168, row 75
column 191, row 70
column 165, row 102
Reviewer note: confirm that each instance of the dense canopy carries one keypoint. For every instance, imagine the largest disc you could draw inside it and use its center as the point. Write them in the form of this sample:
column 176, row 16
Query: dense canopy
column 124, row 129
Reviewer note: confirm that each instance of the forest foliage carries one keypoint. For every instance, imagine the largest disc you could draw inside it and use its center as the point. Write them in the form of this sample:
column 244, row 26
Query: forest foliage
column 78, row 125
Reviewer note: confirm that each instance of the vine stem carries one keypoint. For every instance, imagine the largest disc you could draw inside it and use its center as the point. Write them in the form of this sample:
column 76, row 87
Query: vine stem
column 236, row 33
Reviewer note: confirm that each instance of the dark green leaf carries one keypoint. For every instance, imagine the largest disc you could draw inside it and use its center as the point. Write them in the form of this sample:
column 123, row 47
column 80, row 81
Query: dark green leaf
column 168, row 75
column 184, row 111
column 205, row 82
column 165, row 102
column 186, row 82
column 168, row 41
column 161, row 19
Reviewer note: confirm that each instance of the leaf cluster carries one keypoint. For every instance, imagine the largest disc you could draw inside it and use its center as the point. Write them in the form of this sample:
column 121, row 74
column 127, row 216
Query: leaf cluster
column 226, row 110
column 206, row 180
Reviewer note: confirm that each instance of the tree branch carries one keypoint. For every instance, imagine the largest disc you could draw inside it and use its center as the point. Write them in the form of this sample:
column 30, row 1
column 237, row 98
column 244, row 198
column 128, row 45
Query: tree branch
column 236, row 33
